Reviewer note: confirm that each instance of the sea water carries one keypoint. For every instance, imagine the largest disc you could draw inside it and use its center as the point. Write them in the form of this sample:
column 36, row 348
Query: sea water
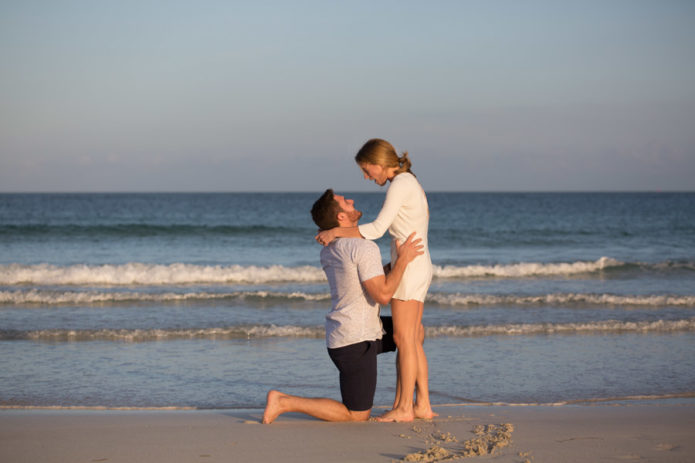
column 209, row 300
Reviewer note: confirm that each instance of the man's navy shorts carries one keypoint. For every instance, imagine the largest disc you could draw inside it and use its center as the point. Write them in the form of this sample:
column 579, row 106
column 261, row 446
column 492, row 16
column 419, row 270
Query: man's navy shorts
column 357, row 366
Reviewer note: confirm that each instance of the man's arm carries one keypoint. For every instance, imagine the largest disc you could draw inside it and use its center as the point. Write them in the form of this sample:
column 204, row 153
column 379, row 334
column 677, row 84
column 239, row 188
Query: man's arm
column 326, row 236
column 382, row 287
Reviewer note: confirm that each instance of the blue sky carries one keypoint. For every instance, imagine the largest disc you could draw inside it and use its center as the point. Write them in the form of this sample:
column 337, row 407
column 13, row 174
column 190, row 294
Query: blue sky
column 278, row 96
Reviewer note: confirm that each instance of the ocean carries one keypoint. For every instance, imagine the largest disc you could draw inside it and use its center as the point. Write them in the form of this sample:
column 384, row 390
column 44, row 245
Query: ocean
column 210, row 300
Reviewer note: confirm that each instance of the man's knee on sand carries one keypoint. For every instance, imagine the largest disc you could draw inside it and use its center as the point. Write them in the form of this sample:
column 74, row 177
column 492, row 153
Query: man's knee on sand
column 359, row 415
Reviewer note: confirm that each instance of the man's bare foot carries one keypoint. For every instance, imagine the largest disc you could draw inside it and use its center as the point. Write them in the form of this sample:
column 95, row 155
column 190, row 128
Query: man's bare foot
column 396, row 415
column 272, row 406
column 424, row 412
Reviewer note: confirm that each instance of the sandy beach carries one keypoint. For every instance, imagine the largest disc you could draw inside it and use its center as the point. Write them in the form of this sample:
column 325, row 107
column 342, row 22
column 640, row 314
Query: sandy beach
column 512, row 434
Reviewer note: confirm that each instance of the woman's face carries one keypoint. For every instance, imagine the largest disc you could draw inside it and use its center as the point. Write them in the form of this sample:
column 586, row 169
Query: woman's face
column 374, row 172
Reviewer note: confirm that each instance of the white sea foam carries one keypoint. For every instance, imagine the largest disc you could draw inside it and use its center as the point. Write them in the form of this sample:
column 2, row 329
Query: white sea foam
column 471, row 403
column 293, row 331
column 562, row 299
column 138, row 335
column 51, row 297
column 588, row 400
column 181, row 274
column 607, row 326
column 154, row 274
column 524, row 269
column 48, row 297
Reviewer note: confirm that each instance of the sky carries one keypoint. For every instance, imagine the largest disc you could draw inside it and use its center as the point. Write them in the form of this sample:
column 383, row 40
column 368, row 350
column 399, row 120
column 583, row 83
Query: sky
column 279, row 96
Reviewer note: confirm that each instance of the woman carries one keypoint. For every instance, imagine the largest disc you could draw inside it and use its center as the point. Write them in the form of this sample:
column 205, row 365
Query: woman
column 405, row 210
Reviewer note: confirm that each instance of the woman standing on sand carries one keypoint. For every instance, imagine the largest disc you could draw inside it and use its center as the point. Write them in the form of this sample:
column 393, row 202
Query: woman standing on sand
column 405, row 210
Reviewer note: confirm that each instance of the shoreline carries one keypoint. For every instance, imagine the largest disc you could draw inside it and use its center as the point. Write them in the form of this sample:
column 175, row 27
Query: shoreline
column 684, row 398
column 637, row 431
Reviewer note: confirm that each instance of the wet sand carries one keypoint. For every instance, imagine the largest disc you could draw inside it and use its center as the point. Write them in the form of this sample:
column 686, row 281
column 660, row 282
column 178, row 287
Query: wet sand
column 635, row 432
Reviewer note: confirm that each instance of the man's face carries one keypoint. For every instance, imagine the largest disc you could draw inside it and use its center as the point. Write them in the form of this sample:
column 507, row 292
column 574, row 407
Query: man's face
column 348, row 206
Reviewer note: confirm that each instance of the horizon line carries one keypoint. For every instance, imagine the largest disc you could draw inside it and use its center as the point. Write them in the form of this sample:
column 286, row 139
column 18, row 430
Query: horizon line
column 77, row 192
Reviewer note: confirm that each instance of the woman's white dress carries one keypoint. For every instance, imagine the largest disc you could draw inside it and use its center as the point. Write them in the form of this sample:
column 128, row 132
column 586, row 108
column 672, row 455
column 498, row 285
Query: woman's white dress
column 405, row 211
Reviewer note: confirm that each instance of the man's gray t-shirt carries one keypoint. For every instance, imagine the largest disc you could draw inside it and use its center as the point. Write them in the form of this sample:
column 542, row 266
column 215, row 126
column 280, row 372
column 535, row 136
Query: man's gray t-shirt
column 355, row 316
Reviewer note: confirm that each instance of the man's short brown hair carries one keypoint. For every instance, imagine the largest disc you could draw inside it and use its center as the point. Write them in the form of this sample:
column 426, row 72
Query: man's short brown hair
column 325, row 211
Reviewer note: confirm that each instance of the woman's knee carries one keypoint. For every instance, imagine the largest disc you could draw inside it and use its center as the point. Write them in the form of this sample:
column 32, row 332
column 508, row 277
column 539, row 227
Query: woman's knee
column 405, row 338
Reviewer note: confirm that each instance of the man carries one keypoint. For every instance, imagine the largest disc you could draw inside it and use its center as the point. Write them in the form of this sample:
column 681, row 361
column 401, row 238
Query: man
column 355, row 333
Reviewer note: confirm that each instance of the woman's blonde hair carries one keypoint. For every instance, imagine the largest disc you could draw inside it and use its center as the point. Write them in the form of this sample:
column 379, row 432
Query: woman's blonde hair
column 382, row 153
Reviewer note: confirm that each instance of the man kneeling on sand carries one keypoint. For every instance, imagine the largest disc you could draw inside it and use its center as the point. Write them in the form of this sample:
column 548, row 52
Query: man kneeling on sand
column 355, row 333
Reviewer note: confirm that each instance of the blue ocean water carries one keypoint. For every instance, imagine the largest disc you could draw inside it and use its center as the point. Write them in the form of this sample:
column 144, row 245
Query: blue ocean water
column 209, row 300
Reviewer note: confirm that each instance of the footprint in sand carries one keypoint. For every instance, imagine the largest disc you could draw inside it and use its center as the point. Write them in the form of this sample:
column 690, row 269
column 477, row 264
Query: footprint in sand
column 445, row 446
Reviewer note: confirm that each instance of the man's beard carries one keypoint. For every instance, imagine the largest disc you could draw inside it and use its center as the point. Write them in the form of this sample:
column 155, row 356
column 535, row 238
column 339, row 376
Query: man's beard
column 354, row 216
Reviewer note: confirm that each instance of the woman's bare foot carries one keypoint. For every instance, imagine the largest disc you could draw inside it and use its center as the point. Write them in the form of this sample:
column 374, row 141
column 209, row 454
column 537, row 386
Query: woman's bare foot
column 396, row 415
column 272, row 406
column 424, row 412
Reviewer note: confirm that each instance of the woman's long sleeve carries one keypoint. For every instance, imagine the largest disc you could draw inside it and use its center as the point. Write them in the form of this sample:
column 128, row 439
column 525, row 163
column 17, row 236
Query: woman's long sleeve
column 395, row 196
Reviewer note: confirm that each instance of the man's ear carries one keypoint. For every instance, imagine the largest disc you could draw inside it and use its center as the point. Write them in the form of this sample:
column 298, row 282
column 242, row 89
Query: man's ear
column 341, row 216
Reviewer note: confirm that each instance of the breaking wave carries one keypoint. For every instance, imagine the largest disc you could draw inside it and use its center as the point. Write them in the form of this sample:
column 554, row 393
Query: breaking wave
column 154, row 274
column 564, row 299
column 526, row 269
column 293, row 331
column 47, row 297
column 138, row 335
column 52, row 298
column 181, row 274
column 607, row 326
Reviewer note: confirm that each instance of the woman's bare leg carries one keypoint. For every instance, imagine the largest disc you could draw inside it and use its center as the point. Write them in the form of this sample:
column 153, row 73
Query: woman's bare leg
column 405, row 333
column 397, row 398
column 422, row 408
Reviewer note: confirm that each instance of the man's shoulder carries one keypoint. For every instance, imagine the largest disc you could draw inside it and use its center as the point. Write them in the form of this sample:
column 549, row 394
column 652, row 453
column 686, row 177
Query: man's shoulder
column 355, row 243
column 349, row 247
